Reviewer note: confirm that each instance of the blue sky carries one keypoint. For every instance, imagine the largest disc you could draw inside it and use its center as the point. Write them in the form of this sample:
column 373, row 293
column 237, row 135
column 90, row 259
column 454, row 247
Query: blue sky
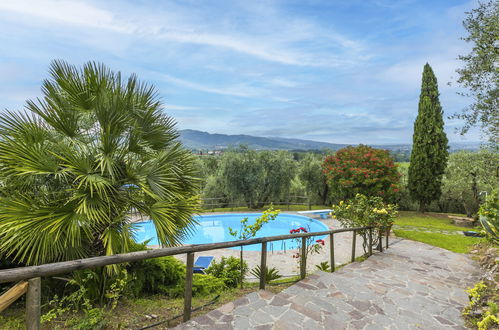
column 334, row 71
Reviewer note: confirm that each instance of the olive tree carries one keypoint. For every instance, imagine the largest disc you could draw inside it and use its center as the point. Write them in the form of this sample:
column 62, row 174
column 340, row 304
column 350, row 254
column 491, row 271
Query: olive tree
column 467, row 175
column 257, row 177
column 311, row 174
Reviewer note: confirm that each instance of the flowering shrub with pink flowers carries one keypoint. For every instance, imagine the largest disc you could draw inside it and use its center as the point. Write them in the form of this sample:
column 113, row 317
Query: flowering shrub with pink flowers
column 313, row 246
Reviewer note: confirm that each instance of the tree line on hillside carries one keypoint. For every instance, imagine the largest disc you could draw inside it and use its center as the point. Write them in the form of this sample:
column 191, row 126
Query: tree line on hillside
column 252, row 178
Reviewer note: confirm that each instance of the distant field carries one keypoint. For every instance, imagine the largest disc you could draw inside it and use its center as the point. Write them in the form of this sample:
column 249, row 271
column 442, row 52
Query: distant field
column 403, row 164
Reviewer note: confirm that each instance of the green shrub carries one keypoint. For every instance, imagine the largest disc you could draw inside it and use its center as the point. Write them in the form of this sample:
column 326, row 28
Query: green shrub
column 155, row 275
column 229, row 270
column 362, row 170
column 489, row 216
column 271, row 274
column 202, row 285
column 363, row 211
column 324, row 266
column 91, row 320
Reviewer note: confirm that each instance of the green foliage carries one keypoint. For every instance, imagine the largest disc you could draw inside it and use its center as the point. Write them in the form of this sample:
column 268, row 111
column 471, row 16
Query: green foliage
column 480, row 71
column 475, row 294
column 481, row 303
column 362, row 211
column 489, row 216
column 271, row 274
column 214, row 193
column 228, row 270
column 74, row 166
column 202, row 285
column 155, row 275
column 86, row 295
column 311, row 174
column 92, row 319
column 312, row 246
column 468, row 174
column 98, row 286
column 324, row 266
column 249, row 231
column 257, row 177
column 361, row 170
column 12, row 323
column 488, row 321
column 429, row 149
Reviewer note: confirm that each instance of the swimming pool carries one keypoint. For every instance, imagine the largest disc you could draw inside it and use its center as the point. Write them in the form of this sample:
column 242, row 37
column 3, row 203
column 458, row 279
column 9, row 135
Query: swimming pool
column 215, row 228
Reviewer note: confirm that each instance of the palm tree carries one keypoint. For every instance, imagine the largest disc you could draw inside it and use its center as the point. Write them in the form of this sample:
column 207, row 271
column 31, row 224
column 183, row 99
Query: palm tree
column 78, row 161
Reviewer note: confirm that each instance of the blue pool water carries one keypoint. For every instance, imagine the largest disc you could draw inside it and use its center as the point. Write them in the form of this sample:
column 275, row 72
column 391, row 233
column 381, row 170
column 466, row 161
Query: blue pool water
column 215, row 228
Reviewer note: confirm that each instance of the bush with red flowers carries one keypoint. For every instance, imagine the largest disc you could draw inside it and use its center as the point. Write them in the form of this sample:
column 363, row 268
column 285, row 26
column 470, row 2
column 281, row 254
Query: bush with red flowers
column 311, row 246
column 362, row 170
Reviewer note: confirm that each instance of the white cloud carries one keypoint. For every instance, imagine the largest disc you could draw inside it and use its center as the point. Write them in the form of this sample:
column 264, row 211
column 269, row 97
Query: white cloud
column 180, row 107
column 66, row 12
column 273, row 43
column 234, row 90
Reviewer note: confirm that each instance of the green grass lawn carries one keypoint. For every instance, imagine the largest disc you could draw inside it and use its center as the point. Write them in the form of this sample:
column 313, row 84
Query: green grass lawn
column 427, row 220
column 414, row 226
column 455, row 243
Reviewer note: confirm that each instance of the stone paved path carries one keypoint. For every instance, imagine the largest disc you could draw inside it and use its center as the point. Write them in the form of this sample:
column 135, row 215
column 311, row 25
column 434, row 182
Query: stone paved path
column 409, row 286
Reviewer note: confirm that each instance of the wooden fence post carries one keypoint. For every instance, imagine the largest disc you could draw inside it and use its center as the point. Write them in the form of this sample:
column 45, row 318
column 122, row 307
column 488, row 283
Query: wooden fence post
column 331, row 251
column 33, row 303
column 387, row 234
column 370, row 241
column 263, row 266
column 380, row 245
column 303, row 260
column 188, row 286
column 354, row 238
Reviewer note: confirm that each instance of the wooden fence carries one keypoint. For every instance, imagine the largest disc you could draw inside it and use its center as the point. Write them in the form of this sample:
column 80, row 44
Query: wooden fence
column 222, row 202
column 29, row 278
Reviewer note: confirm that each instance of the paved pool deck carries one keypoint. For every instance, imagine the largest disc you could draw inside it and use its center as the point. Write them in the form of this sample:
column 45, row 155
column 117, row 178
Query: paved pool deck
column 409, row 286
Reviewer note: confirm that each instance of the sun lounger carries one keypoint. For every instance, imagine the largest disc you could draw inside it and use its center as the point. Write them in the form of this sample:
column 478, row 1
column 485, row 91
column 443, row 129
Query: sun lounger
column 201, row 264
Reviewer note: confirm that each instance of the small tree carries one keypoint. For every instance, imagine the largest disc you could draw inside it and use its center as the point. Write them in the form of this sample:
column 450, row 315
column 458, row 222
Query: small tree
column 429, row 149
column 361, row 170
column 249, row 231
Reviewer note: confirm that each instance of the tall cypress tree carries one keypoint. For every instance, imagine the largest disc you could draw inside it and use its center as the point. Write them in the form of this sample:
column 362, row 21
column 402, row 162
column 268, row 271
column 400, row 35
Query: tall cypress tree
column 429, row 145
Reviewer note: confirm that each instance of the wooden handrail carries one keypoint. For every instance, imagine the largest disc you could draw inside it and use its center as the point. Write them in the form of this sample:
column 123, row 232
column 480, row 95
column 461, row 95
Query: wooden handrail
column 13, row 294
column 23, row 273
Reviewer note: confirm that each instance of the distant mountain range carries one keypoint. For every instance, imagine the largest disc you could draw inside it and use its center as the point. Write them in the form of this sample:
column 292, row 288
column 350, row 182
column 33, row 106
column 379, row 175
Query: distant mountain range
column 198, row 140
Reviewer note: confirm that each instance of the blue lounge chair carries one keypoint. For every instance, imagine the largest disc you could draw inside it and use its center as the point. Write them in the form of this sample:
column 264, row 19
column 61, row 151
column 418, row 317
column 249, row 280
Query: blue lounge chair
column 201, row 264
